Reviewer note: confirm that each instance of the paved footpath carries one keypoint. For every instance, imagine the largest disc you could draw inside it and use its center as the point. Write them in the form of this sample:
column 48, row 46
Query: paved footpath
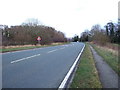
column 108, row 77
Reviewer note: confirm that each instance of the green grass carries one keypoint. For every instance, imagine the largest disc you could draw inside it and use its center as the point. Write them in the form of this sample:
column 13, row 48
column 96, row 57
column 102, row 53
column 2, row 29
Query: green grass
column 28, row 47
column 86, row 75
column 109, row 57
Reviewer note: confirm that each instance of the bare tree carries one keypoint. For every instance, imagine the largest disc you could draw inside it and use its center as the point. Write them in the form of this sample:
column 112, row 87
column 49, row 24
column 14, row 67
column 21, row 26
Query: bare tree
column 32, row 22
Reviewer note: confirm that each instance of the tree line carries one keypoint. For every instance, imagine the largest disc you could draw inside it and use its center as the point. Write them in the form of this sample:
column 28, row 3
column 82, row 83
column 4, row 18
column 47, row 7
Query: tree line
column 28, row 33
column 110, row 33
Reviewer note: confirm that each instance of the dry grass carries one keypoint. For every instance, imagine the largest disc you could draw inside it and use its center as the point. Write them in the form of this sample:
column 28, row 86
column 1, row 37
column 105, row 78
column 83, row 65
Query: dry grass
column 112, row 48
column 113, row 51
column 19, row 46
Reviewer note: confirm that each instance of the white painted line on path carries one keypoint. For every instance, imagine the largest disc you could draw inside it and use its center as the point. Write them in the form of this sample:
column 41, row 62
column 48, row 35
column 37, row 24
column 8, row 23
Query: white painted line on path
column 25, row 58
column 62, row 85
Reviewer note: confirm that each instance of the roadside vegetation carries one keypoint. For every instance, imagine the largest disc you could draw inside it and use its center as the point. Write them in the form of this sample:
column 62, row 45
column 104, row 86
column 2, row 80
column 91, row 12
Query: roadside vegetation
column 109, row 55
column 106, row 41
column 24, row 36
column 86, row 75
column 27, row 33
column 25, row 47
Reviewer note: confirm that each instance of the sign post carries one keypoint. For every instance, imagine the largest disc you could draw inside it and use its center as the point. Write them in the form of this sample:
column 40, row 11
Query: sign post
column 39, row 39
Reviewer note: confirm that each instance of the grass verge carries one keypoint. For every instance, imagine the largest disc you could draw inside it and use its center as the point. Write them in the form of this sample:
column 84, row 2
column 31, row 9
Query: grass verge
column 28, row 47
column 109, row 57
column 86, row 75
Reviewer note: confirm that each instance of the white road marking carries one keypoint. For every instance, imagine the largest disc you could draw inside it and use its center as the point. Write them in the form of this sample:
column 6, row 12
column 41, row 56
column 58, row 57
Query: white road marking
column 62, row 85
column 62, row 48
column 33, row 55
column 55, row 50
column 66, row 45
column 52, row 51
column 24, row 58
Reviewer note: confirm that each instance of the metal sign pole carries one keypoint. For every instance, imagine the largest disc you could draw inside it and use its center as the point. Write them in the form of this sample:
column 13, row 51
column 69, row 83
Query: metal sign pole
column 38, row 41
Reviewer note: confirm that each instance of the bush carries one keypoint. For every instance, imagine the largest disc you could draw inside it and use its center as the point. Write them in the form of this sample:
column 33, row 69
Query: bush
column 25, row 34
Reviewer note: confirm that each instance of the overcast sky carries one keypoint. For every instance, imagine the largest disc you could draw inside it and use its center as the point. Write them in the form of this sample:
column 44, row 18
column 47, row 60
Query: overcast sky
column 69, row 16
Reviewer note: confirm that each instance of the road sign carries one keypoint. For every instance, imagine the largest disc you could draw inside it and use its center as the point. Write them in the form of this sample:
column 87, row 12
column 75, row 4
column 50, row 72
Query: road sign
column 38, row 38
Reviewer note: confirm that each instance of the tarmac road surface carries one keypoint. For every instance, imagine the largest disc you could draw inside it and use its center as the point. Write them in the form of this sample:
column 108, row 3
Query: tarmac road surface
column 38, row 68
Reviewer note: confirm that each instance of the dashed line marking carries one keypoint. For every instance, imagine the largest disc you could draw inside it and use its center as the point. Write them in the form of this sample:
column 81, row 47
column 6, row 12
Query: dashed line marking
column 15, row 61
column 62, row 48
column 52, row 51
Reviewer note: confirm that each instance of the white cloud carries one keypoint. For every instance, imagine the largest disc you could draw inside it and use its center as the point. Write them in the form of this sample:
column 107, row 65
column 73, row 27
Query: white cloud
column 69, row 16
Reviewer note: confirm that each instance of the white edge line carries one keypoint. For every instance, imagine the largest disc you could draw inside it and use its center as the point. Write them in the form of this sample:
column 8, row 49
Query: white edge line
column 62, row 85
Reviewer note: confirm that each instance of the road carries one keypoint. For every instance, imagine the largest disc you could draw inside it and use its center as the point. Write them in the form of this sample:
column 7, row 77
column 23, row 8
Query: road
column 38, row 68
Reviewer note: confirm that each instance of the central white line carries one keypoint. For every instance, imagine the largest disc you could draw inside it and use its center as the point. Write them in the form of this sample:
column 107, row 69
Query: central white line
column 52, row 51
column 24, row 58
column 62, row 48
